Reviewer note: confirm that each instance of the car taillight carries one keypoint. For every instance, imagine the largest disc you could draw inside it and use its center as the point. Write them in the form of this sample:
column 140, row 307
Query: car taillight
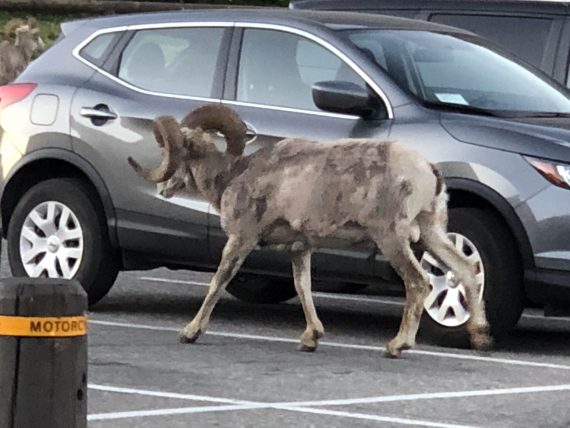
column 15, row 92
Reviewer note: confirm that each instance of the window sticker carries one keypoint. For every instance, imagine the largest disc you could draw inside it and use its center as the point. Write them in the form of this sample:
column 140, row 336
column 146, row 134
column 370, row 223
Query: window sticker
column 452, row 98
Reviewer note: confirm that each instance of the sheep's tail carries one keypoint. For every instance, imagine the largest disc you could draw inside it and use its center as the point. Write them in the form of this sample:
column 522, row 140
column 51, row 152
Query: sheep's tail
column 439, row 204
column 218, row 117
column 440, row 185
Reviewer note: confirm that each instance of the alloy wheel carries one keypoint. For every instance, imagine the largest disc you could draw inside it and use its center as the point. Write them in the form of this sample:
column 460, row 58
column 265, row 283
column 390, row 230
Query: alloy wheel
column 51, row 241
column 446, row 303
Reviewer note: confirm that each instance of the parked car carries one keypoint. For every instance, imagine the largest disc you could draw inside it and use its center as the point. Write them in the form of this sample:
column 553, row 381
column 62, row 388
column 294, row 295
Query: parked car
column 72, row 207
column 536, row 31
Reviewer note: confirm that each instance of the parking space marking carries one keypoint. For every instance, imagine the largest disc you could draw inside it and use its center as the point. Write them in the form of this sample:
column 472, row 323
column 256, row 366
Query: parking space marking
column 343, row 345
column 173, row 395
column 174, row 281
column 377, row 418
column 308, row 406
column 340, row 296
column 240, row 405
column 339, row 402
column 432, row 396
column 170, row 412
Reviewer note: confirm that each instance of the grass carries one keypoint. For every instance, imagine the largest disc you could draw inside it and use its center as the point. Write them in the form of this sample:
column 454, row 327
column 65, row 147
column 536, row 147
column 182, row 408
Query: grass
column 49, row 23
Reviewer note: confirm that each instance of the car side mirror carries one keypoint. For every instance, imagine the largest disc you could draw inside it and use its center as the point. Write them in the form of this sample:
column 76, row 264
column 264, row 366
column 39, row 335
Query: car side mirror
column 346, row 97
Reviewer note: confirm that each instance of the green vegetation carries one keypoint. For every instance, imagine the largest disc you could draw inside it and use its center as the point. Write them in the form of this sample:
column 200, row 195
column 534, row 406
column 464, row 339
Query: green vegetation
column 49, row 23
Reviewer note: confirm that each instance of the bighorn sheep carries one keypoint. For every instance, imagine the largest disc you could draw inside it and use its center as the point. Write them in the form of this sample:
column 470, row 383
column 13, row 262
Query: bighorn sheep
column 23, row 42
column 302, row 195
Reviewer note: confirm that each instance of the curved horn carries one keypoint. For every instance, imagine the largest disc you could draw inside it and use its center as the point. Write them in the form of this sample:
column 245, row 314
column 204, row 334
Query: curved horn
column 218, row 117
column 167, row 133
column 11, row 26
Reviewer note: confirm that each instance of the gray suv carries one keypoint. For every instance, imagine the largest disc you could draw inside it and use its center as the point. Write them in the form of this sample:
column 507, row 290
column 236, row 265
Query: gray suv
column 72, row 207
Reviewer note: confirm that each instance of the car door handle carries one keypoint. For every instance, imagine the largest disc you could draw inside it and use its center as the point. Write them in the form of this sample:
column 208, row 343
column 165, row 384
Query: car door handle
column 100, row 111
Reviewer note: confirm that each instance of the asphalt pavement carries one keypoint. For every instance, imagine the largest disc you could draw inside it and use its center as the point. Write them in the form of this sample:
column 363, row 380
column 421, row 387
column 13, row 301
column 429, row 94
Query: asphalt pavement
column 245, row 370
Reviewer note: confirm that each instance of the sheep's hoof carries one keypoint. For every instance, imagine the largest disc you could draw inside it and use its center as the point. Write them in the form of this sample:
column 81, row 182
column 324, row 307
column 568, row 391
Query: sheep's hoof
column 395, row 351
column 482, row 342
column 481, row 339
column 189, row 338
column 394, row 354
column 303, row 347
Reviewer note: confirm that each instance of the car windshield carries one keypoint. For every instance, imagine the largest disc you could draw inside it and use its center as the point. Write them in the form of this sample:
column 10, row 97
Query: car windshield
column 460, row 72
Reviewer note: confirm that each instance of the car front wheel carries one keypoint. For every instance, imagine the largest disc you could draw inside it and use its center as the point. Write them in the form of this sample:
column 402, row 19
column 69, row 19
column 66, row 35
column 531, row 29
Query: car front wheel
column 483, row 238
column 58, row 231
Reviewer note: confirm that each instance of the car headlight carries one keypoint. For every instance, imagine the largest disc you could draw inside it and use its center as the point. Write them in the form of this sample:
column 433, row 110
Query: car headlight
column 556, row 172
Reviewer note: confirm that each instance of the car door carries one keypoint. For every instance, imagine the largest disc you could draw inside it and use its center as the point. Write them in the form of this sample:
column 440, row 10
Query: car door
column 154, row 71
column 272, row 78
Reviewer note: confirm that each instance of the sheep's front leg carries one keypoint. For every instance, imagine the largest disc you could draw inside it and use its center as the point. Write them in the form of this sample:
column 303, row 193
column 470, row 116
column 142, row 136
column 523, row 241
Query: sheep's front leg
column 416, row 282
column 302, row 277
column 233, row 255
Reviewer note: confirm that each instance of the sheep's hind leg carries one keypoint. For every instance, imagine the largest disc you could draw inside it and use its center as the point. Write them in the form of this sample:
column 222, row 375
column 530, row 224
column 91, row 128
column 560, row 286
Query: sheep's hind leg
column 398, row 252
column 233, row 255
column 302, row 276
column 439, row 246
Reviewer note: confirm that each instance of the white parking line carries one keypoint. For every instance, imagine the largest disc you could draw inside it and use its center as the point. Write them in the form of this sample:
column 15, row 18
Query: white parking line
column 243, row 405
column 338, row 402
column 431, row 396
column 343, row 345
column 173, row 281
column 340, row 296
column 377, row 418
column 209, row 409
column 308, row 406
column 167, row 412
column 316, row 293
column 173, row 395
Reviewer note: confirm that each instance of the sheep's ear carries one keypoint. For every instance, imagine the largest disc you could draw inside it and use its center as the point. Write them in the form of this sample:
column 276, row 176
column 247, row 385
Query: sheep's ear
column 197, row 142
column 33, row 22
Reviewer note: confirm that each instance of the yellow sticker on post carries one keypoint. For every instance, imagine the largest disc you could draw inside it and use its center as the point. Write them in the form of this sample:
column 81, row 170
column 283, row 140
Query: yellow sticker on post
column 43, row 326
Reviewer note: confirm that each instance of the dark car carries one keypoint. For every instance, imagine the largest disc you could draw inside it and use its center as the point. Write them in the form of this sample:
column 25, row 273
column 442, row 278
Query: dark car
column 536, row 31
column 72, row 207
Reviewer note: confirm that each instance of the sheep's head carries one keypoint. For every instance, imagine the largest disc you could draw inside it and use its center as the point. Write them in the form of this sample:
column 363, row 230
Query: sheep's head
column 182, row 180
column 197, row 146
column 25, row 34
column 185, row 145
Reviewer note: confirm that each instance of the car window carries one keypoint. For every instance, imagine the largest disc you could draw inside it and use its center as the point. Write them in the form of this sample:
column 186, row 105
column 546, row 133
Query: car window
column 506, row 32
column 96, row 50
column 456, row 69
column 179, row 61
column 279, row 68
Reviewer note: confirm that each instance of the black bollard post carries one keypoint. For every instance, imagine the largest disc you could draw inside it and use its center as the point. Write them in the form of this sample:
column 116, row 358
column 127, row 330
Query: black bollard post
column 43, row 353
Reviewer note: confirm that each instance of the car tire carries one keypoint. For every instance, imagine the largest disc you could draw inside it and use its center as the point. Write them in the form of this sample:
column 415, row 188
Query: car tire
column 79, row 249
column 503, row 292
column 262, row 289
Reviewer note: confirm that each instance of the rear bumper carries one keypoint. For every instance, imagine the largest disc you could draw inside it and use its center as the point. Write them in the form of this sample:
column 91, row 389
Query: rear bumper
column 547, row 286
